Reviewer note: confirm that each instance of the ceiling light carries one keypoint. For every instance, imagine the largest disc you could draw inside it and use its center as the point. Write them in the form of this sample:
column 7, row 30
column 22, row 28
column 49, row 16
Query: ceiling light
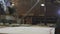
column 42, row 4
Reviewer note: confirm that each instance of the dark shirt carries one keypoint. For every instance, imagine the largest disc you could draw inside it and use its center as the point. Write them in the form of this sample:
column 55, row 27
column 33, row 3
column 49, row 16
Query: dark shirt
column 2, row 12
column 11, row 10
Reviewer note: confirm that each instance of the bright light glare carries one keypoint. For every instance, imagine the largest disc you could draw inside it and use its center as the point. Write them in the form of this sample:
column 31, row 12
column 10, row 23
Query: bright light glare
column 42, row 4
column 13, row 4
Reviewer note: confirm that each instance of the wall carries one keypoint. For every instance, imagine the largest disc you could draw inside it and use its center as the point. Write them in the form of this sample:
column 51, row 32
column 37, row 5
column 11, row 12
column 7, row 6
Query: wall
column 22, row 6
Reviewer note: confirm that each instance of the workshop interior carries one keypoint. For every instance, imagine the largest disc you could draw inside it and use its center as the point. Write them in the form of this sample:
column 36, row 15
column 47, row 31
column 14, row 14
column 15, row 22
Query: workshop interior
column 42, row 13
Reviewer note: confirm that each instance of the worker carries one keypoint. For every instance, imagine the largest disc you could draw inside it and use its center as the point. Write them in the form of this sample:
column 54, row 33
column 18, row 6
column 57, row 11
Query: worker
column 2, row 10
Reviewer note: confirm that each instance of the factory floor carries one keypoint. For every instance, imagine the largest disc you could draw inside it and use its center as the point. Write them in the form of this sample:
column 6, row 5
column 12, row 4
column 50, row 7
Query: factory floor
column 27, row 30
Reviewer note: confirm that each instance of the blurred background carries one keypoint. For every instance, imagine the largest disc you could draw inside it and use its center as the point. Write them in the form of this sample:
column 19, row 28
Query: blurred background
column 29, row 12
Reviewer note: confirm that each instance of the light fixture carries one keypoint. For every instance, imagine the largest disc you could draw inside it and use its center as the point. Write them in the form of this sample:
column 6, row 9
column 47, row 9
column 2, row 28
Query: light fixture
column 13, row 4
column 42, row 4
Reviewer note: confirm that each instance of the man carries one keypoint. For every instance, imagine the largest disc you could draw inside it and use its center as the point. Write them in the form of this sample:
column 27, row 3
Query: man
column 4, row 4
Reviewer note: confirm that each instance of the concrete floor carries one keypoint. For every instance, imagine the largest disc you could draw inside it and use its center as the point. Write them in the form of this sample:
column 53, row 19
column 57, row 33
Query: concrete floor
column 27, row 30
